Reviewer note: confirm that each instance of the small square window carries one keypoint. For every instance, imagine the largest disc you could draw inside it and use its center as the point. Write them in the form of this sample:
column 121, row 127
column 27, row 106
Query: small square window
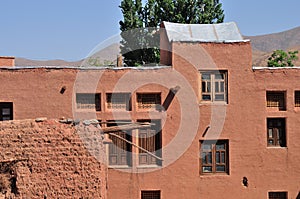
column 150, row 194
column 297, row 98
column 118, row 101
column 148, row 100
column 276, row 99
column 276, row 135
column 277, row 195
column 214, row 156
column 6, row 111
column 88, row 101
column 214, row 85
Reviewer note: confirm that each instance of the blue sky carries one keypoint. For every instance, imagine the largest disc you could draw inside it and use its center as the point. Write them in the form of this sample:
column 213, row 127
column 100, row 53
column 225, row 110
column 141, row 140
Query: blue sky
column 69, row 30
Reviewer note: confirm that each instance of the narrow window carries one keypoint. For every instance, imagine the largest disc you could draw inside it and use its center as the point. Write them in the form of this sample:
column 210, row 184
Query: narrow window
column 88, row 101
column 297, row 98
column 277, row 195
column 214, row 156
column 150, row 194
column 119, row 150
column 148, row 100
column 214, row 85
column 118, row 101
column 6, row 111
column 276, row 99
column 276, row 135
column 150, row 139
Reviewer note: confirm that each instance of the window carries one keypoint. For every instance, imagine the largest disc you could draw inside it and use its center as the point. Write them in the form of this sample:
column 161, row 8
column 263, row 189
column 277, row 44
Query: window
column 214, row 156
column 214, row 86
column 88, row 101
column 150, row 194
column 148, row 100
column 277, row 195
column 297, row 98
column 6, row 111
column 118, row 101
column 150, row 139
column 276, row 99
column 119, row 150
column 276, row 135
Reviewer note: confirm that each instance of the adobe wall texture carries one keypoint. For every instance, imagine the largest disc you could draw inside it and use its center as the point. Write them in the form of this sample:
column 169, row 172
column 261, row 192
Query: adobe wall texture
column 7, row 61
column 50, row 160
column 241, row 121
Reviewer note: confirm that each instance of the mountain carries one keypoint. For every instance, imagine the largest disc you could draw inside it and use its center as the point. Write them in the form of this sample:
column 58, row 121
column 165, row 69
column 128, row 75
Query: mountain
column 105, row 56
column 282, row 40
column 28, row 62
column 264, row 45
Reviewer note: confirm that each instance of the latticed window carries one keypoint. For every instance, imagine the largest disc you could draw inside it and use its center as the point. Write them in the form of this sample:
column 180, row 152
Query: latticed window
column 276, row 99
column 276, row 135
column 120, row 150
column 118, row 101
column 150, row 139
column 6, row 111
column 297, row 98
column 150, row 194
column 88, row 101
column 277, row 195
column 214, row 156
column 214, row 86
column 148, row 100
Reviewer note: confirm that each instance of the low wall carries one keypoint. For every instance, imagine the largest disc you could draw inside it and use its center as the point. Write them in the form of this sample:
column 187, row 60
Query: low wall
column 50, row 159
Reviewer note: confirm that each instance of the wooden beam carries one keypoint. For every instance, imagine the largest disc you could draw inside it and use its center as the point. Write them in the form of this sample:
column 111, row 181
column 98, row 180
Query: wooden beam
column 127, row 127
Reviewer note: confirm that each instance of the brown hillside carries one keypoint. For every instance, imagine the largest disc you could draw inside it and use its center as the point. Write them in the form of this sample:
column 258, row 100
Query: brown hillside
column 261, row 58
column 283, row 40
column 103, row 56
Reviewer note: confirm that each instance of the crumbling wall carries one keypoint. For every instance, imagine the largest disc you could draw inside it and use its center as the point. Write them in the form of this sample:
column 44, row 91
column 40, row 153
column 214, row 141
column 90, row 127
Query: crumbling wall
column 50, row 159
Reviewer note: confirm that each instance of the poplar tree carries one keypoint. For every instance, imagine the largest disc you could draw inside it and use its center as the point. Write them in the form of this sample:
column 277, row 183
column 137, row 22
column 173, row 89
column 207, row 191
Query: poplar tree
column 140, row 38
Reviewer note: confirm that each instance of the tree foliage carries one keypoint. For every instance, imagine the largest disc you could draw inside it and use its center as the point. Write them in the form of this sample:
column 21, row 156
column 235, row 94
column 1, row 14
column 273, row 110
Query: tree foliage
column 280, row 58
column 140, row 39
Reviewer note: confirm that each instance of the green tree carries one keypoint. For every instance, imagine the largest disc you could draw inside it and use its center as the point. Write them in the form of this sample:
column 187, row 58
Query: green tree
column 140, row 38
column 280, row 58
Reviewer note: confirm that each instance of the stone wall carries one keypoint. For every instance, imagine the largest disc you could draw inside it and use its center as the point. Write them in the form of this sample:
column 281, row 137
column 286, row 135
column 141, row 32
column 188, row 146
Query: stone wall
column 50, row 159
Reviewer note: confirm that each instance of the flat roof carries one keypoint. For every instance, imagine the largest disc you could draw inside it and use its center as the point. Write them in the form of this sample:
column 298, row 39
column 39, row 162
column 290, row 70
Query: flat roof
column 86, row 68
column 274, row 68
column 222, row 32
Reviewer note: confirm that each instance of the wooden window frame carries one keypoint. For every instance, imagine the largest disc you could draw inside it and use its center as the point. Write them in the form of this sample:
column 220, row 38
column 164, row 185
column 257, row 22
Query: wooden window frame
column 213, row 87
column 276, row 133
column 6, row 111
column 276, row 99
column 142, row 97
column 151, row 140
column 278, row 195
column 88, row 101
column 150, row 194
column 211, row 157
column 120, row 150
column 297, row 98
column 122, row 101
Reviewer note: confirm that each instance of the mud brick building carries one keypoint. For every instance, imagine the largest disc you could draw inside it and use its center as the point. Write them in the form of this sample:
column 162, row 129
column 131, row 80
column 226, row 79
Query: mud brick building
column 223, row 128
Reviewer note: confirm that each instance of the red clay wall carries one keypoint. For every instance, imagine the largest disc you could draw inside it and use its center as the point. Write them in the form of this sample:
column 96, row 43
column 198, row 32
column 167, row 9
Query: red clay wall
column 36, row 92
column 266, row 168
column 7, row 61
column 49, row 160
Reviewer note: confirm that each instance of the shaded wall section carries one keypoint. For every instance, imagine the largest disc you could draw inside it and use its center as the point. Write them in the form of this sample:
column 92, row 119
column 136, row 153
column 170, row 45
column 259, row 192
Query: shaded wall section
column 50, row 159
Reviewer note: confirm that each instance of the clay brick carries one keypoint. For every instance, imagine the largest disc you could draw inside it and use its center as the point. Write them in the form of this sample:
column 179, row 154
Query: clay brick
column 55, row 165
